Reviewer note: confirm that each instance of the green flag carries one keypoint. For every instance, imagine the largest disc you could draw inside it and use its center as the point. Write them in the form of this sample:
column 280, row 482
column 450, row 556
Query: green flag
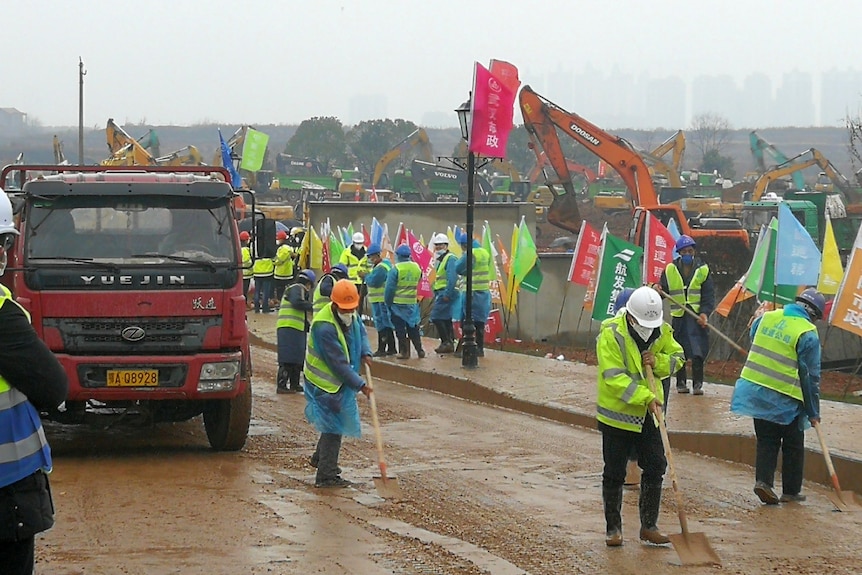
column 533, row 280
column 253, row 150
column 761, row 276
column 335, row 248
column 619, row 268
column 525, row 261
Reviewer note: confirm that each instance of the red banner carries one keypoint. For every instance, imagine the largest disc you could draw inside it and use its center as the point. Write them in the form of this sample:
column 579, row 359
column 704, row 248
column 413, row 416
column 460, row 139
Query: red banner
column 493, row 327
column 586, row 255
column 507, row 74
column 659, row 249
column 424, row 257
column 493, row 106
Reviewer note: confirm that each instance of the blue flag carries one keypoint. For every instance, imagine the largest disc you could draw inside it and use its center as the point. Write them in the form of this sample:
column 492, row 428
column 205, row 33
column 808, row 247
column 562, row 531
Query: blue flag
column 376, row 232
column 227, row 162
column 797, row 252
column 674, row 231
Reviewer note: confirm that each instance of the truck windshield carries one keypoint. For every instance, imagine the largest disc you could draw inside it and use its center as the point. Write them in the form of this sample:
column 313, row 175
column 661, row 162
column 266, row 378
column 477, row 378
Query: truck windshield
column 121, row 231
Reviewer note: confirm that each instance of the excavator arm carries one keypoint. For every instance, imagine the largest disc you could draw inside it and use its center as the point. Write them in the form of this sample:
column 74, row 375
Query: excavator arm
column 125, row 150
column 759, row 149
column 542, row 119
column 542, row 162
column 188, row 156
column 795, row 166
column 418, row 138
column 675, row 142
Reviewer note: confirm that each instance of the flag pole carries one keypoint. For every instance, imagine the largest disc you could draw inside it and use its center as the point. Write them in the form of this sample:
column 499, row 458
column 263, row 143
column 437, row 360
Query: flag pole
column 560, row 319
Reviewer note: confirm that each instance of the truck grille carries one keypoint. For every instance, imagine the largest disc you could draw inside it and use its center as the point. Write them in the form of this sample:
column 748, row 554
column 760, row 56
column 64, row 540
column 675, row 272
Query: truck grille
column 132, row 336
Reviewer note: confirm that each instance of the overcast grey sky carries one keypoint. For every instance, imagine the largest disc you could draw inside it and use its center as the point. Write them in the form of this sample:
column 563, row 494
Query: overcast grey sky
column 270, row 61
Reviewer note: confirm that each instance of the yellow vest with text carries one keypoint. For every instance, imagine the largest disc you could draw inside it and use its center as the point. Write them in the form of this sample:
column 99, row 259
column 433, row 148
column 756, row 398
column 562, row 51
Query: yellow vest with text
column 316, row 371
column 375, row 294
column 690, row 295
column 772, row 360
column 288, row 315
column 409, row 274
column 481, row 269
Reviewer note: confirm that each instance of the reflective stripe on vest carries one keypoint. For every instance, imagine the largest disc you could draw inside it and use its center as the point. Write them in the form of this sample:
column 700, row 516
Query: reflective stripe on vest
column 289, row 316
column 23, row 448
column 318, row 300
column 409, row 274
column 352, row 262
column 316, row 371
column 375, row 294
column 677, row 289
column 481, row 269
column 246, row 263
column 441, row 280
column 772, row 361
column 284, row 262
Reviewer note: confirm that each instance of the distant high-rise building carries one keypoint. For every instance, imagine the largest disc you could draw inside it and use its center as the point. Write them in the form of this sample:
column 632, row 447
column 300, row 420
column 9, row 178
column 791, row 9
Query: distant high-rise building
column 560, row 87
column 665, row 103
column 715, row 95
column 756, row 103
column 363, row 107
column 794, row 100
column 840, row 95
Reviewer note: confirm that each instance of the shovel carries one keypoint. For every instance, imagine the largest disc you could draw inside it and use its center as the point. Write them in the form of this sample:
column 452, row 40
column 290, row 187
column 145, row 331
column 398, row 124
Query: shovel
column 387, row 487
column 692, row 548
column 714, row 329
column 843, row 500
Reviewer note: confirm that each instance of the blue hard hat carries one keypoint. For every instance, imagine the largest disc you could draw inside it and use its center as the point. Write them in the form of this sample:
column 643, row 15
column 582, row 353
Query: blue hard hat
column 403, row 250
column 373, row 249
column 308, row 275
column 622, row 298
column 339, row 269
column 813, row 301
column 461, row 238
column 685, row 241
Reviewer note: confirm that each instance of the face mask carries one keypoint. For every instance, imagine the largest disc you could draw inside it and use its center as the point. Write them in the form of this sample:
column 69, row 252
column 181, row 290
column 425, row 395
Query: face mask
column 2, row 263
column 346, row 318
column 440, row 252
column 643, row 332
column 687, row 259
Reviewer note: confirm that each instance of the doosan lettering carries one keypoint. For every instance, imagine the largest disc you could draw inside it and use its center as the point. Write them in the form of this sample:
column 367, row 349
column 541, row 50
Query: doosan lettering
column 584, row 134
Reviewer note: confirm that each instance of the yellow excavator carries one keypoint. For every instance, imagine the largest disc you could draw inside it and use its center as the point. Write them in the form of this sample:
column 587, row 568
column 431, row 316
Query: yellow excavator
column 59, row 156
column 658, row 166
column 124, row 149
column 812, row 157
column 187, row 156
column 417, row 139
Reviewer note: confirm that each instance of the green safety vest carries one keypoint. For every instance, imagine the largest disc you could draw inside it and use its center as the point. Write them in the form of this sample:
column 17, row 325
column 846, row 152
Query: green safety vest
column 623, row 389
column 375, row 294
column 354, row 264
column 246, row 263
column 409, row 274
column 772, row 360
column 283, row 262
column 690, row 295
column 316, row 371
column 289, row 316
column 318, row 300
column 263, row 267
column 481, row 269
column 441, row 280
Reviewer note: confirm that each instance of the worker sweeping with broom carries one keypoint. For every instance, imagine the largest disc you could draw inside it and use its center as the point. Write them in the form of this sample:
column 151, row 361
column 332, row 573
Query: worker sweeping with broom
column 626, row 345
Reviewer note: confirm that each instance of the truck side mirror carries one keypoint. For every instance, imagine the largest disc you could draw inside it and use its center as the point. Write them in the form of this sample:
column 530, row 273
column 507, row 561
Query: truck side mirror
column 265, row 238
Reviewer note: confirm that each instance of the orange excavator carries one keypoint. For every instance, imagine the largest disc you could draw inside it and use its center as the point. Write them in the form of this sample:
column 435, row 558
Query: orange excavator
column 542, row 163
column 722, row 240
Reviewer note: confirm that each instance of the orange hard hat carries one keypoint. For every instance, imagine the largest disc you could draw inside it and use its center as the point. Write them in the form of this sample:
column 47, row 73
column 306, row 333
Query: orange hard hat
column 281, row 235
column 345, row 295
column 244, row 236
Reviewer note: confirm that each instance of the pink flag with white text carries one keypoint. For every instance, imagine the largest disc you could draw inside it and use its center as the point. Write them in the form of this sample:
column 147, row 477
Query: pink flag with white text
column 493, row 106
column 422, row 256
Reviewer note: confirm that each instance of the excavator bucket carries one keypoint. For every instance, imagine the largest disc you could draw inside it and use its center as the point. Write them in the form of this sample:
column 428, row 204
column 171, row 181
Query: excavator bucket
column 564, row 212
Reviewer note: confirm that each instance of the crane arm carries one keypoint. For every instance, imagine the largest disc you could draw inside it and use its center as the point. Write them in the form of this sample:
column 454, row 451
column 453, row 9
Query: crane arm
column 125, row 150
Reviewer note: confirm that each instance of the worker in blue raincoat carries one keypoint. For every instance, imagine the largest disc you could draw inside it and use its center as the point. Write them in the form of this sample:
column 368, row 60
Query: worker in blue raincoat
column 400, row 294
column 337, row 348
column 376, row 282
column 481, row 302
column 445, row 293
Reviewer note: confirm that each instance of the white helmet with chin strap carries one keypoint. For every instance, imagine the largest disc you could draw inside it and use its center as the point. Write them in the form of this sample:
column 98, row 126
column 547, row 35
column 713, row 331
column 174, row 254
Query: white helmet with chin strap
column 645, row 307
column 440, row 239
column 7, row 225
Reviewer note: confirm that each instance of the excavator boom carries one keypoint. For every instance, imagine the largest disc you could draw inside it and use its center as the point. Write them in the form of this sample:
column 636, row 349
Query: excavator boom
column 759, row 149
column 418, row 138
column 796, row 164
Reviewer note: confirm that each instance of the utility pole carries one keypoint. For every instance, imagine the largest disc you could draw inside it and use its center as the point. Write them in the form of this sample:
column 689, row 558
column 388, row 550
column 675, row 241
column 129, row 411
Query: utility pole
column 81, row 74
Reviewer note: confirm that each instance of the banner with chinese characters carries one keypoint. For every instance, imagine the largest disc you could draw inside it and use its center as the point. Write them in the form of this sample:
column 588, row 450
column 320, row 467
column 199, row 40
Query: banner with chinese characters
column 492, row 111
column 847, row 309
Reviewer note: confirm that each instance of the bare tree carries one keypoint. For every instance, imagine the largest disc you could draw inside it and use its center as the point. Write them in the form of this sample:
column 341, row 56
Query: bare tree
column 709, row 132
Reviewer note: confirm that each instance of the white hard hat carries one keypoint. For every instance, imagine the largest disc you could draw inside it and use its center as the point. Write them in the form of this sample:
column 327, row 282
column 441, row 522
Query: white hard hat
column 645, row 306
column 7, row 225
column 358, row 238
column 440, row 239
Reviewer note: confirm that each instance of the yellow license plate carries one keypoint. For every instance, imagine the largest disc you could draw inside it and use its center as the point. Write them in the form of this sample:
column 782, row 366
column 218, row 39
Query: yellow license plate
column 133, row 377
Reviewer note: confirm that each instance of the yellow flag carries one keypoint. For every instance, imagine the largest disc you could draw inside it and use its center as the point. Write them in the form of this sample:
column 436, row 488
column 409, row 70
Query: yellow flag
column 454, row 247
column 316, row 255
column 831, row 270
column 304, row 251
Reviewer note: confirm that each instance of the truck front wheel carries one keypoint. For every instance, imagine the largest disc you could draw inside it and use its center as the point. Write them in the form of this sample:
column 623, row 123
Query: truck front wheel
column 226, row 421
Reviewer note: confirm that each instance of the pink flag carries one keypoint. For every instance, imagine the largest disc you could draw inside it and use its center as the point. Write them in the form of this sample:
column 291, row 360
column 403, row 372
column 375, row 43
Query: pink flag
column 326, row 263
column 586, row 255
column 507, row 74
column 492, row 112
column 659, row 249
column 422, row 256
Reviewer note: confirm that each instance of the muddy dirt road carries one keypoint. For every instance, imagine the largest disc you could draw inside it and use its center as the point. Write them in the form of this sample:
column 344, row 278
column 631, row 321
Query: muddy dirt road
column 487, row 491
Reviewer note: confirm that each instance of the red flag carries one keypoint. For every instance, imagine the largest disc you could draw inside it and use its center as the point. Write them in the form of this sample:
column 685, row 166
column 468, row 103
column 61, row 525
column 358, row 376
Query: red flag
column 325, row 238
column 367, row 241
column 401, row 235
column 659, row 249
column 492, row 110
column 736, row 294
column 602, row 168
column 373, row 197
column 586, row 254
column 507, row 74
column 424, row 257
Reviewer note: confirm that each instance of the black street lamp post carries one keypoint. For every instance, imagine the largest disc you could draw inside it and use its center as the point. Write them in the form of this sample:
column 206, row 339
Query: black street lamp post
column 469, row 355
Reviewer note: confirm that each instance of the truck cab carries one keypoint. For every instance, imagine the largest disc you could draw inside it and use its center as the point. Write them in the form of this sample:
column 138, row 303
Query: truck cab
column 132, row 279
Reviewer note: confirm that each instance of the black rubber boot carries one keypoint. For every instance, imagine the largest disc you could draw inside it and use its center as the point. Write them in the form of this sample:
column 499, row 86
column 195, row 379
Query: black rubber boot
column 282, row 379
column 390, row 342
column 381, row 344
column 404, row 348
column 416, row 338
column 443, row 334
column 480, row 339
column 612, row 498
column 648, row 504
column 682, row 380
column 697, row 375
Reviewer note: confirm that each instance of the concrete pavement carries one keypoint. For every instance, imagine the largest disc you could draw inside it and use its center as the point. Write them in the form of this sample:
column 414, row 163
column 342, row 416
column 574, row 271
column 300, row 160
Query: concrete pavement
column 565, row 391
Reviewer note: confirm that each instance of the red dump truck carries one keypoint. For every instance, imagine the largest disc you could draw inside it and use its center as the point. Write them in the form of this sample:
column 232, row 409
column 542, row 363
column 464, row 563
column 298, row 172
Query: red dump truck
column 132, row 277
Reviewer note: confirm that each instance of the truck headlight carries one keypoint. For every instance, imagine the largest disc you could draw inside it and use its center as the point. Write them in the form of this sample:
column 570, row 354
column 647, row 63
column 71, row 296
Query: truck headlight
column 220, row 376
